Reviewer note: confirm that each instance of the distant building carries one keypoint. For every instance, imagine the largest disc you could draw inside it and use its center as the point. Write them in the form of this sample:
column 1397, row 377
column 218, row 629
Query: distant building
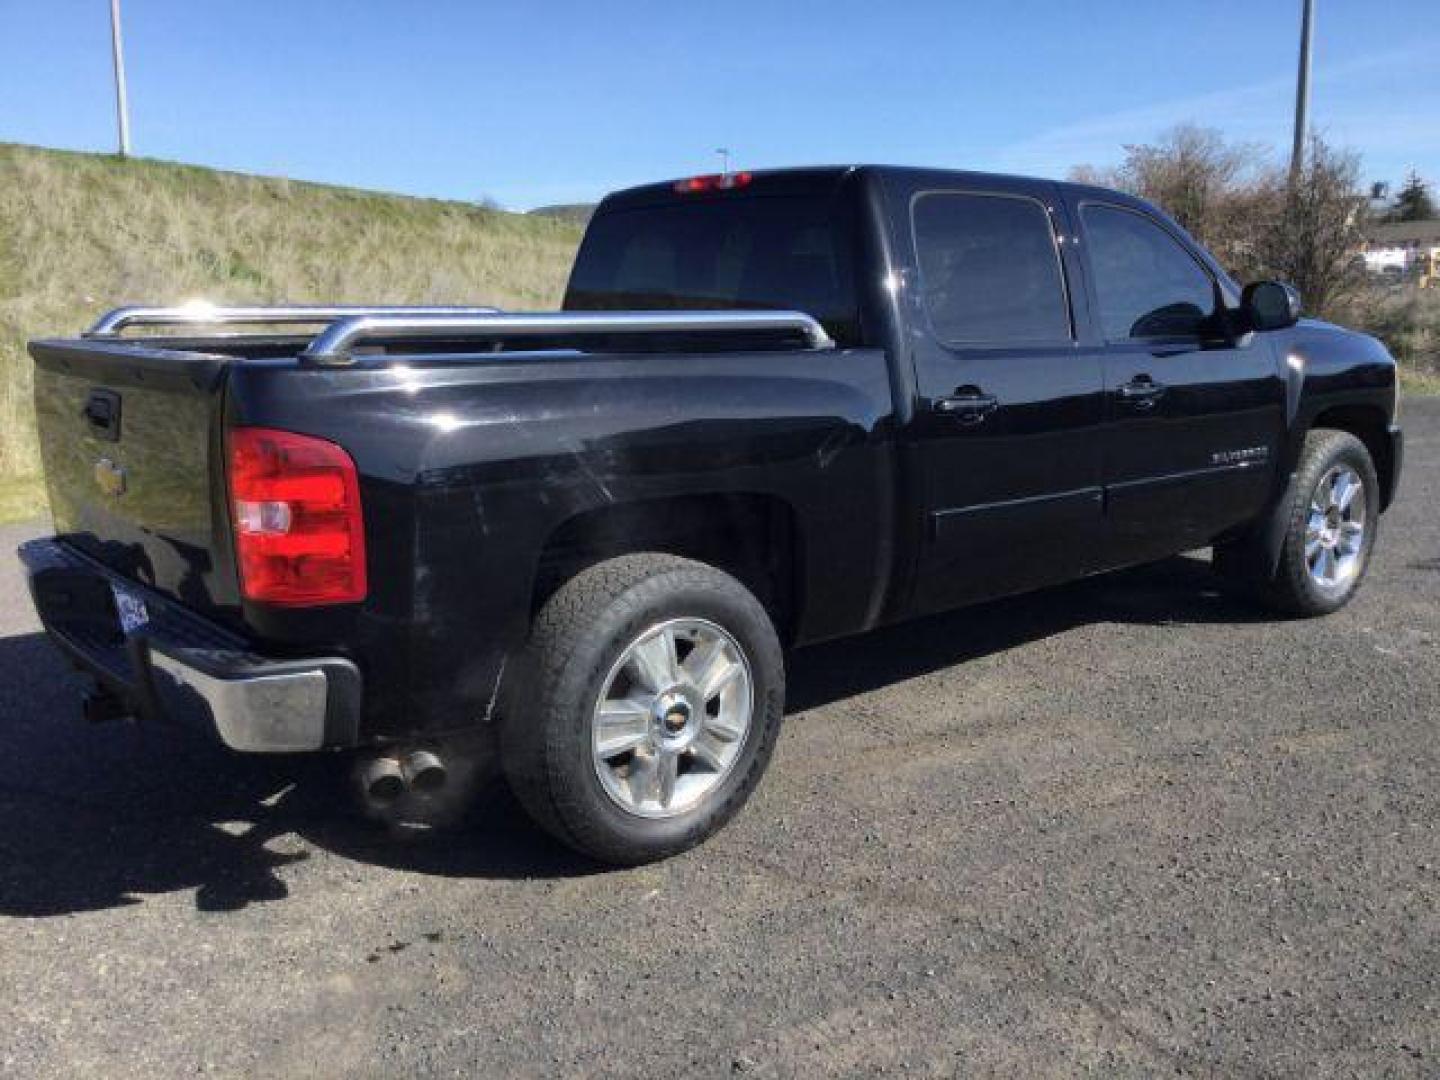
column 1401, row 248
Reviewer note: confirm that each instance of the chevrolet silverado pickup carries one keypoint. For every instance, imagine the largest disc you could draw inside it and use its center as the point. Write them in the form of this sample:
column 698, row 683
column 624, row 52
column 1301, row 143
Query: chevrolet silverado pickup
column 775, row 408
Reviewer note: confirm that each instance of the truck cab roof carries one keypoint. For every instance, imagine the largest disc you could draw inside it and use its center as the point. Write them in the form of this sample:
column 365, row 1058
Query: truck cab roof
column 822, row 179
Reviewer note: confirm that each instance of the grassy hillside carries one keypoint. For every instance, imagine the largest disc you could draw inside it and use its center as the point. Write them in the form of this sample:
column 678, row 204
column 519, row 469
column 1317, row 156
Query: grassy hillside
column 80, row 233
column 574, row 213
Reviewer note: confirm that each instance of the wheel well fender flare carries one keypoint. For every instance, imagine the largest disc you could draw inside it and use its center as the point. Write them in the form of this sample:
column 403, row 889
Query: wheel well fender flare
column 756, row 537
column 1367, row 422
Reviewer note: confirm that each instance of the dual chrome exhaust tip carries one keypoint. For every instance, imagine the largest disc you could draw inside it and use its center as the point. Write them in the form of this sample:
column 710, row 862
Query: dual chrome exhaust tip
column 385, row 779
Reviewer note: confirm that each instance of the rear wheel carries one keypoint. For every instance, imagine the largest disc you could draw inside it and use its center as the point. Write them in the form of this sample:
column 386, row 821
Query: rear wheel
column 646, row 707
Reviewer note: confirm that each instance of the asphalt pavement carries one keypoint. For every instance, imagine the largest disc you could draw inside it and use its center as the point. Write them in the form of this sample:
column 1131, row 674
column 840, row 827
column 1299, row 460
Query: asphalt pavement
column 1126, row 827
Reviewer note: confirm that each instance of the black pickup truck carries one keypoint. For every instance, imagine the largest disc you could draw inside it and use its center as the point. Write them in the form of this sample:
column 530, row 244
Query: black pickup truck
column 776, row 408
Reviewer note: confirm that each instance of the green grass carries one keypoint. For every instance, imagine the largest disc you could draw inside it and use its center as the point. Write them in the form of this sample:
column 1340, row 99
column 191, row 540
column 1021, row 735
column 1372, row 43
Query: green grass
column 81, row 233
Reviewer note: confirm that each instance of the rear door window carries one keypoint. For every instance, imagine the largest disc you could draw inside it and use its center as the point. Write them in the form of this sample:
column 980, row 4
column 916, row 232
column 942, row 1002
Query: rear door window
column 990, row 269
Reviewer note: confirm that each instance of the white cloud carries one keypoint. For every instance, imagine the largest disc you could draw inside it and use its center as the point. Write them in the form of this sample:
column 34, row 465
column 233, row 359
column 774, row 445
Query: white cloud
column 1378, row 104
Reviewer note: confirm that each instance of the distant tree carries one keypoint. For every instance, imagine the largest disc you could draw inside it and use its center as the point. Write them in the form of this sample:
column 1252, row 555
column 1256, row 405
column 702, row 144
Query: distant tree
column 1093, row 174
column 1216, row 189
column 1313, row 239
column 1413, row 203
column 1238, row 201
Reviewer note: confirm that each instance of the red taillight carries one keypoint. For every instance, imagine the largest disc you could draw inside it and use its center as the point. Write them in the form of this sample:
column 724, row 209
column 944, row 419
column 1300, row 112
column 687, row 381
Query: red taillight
column 693, row 185
column 299, row 533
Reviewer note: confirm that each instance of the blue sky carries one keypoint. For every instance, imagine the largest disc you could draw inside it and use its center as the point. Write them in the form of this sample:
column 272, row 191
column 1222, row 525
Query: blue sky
column 542, row 102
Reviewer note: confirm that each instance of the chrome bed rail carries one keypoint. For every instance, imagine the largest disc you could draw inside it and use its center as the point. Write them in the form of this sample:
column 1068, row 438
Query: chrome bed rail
column 334, row 346
column 197, row 314
column 348, row 326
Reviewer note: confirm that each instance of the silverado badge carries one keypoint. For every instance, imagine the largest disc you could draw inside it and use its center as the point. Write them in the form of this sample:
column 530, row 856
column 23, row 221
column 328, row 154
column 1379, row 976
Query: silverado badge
column 1249, row 455
column 110, row 478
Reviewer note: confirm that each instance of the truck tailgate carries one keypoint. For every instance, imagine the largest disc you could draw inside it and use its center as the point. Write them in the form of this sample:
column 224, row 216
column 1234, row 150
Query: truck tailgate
column 130, row 439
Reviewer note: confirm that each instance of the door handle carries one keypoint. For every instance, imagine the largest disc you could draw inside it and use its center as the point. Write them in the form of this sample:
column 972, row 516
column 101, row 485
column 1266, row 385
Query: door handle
column 1142, row 392
column 968, row 405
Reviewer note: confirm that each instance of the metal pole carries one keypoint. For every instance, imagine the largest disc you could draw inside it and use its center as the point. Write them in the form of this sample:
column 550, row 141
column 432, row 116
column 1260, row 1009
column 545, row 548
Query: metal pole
column 1302, row 90
column 122, row 105
column 724, row 153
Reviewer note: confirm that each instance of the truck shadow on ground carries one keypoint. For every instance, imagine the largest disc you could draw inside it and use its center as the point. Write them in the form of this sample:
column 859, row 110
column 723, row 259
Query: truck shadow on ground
column 1179, row 591
column 95, row 818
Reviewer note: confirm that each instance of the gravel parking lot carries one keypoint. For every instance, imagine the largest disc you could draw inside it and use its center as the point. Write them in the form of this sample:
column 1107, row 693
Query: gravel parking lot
column 1124, row 827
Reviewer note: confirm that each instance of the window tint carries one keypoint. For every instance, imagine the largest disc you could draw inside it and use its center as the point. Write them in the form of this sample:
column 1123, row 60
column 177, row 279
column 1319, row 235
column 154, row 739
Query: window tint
column 1146, row 283
column 989, row 270
column 777, row 253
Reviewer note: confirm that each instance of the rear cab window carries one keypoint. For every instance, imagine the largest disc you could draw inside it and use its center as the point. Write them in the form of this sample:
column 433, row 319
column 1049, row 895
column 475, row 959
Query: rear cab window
column 731, row 252
column 990, row 271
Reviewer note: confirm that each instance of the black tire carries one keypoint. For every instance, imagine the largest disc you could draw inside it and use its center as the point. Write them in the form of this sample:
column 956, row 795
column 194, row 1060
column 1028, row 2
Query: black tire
column 1292, row 589
column 548, row 710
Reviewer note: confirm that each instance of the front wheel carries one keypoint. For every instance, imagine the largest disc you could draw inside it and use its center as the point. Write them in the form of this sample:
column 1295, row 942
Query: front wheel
column 645, row 709
column 1334, row 515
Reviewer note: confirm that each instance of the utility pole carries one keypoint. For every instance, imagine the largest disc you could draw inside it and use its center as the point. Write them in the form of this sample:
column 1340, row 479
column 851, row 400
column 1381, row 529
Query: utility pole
column 122, row 106
column 724, row 152
column 1302, row 91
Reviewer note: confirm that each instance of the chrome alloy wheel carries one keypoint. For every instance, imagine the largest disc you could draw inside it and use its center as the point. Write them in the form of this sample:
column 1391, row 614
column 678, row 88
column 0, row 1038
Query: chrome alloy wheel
column 672, row 717
column 1335, row 529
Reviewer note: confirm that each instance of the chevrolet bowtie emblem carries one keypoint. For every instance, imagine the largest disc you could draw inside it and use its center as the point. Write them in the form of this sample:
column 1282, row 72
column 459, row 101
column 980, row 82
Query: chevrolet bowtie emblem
column 110, row 478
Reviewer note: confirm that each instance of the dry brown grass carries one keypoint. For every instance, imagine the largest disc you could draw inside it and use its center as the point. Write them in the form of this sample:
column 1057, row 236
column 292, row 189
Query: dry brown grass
column 1407, row 320
column 80, row 233
column 1419, row 382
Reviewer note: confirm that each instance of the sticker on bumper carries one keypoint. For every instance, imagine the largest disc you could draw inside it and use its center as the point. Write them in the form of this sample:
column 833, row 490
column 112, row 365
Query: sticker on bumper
column 131, row 609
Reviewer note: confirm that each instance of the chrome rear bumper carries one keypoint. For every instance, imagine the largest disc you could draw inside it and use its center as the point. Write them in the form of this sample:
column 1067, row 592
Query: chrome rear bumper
column 178, row 666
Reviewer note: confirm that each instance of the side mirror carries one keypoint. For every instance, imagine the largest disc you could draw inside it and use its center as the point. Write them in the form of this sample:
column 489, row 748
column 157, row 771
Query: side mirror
column 1270, row 305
